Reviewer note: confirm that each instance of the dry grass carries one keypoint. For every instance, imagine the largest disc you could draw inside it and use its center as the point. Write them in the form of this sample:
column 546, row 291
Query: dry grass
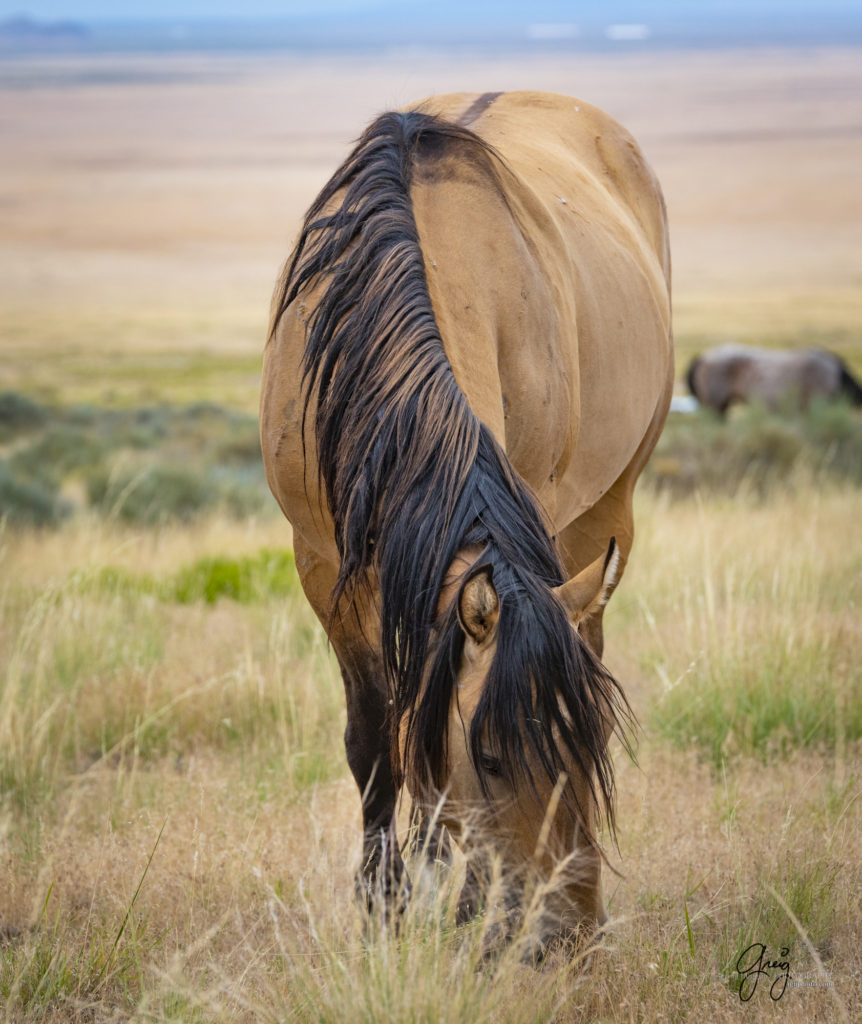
column 179, row 829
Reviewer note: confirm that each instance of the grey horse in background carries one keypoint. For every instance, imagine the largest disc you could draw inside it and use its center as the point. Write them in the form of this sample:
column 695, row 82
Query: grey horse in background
column 781, row 380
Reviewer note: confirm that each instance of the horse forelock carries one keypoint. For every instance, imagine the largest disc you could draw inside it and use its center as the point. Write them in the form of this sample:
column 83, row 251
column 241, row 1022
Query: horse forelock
column 546, row 702
column 410, row 474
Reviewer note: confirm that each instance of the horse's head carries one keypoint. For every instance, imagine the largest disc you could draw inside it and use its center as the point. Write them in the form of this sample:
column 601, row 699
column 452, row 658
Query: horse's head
column 528, row 722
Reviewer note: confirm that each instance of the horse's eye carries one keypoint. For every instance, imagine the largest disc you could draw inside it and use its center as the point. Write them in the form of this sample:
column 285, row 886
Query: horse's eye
column 490, row 765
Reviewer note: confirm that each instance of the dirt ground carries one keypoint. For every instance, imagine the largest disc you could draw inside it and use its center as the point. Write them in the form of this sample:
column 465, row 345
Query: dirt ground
column 147, row 203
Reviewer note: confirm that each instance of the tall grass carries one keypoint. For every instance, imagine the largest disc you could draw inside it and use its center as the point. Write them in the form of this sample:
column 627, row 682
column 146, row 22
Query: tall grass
column 763, row 681
column 93, row 674
column 752, row 611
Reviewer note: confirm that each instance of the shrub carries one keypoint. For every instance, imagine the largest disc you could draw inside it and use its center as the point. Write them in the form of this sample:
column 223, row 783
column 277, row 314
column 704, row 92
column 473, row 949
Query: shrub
column 57, row 452
column 145, row 466
column 28, row 502
column 755, row 449
column 152, row 495
column 18, row 414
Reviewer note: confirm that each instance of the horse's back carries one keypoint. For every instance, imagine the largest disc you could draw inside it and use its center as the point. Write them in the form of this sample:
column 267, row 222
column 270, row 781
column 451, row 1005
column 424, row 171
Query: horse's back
column 548, row 275
column 550, row 139
column 553, row 299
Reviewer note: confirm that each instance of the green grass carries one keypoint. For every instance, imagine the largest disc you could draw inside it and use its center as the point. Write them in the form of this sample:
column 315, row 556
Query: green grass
column 251, row 579
column 430, row 971
column 55, row 965
column 128, row 360
column 750, row 605
column 767, row 701
column 203, row 699
column 809, row 890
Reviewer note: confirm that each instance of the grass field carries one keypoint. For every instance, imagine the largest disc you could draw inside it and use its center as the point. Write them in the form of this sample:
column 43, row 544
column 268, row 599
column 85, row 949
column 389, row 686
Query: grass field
column 178, row 828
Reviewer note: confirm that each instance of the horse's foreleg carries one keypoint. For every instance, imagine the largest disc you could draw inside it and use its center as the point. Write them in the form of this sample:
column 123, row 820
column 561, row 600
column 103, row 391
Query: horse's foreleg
column 381, row 877
column 367, row 736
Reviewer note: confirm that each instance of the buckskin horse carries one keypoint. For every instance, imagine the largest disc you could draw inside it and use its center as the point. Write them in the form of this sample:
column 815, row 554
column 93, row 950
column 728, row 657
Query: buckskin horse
column 779, row 379
column 469, row 362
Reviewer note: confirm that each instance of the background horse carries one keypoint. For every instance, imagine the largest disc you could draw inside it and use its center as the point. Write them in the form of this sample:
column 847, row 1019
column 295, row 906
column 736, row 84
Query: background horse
column 738, row 373
column 470, row 361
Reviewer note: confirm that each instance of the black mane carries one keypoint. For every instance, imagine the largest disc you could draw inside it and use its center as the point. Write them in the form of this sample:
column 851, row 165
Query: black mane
column 411, row 476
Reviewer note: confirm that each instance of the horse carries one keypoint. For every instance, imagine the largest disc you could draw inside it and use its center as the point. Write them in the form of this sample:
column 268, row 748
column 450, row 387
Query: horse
column 781, row 380
column 469, row 362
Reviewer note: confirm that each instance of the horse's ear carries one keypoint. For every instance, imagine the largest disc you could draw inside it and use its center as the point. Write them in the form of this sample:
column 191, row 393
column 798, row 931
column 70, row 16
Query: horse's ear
column 585, row 593
column 478, row 604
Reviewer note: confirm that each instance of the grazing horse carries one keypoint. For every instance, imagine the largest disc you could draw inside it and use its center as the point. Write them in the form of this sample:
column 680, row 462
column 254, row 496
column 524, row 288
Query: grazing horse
column 738, row 373
column 469, row 363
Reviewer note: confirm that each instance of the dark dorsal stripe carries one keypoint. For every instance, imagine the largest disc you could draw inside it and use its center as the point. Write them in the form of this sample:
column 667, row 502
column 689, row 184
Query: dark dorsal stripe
column 478, row 108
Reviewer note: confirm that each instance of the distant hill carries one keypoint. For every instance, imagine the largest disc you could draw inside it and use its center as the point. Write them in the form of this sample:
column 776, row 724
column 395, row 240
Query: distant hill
column 24, row 32
column 469, row 25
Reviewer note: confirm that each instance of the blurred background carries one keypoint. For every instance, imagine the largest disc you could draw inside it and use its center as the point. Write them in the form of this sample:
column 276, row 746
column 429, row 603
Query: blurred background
column 158, row 157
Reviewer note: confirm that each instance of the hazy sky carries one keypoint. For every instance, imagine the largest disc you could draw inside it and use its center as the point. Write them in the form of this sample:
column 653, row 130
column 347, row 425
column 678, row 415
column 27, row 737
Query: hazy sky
column 190, row 9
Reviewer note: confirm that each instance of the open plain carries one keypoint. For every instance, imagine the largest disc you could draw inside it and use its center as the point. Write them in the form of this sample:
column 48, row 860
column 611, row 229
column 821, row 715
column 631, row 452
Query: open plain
column 178, row 828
